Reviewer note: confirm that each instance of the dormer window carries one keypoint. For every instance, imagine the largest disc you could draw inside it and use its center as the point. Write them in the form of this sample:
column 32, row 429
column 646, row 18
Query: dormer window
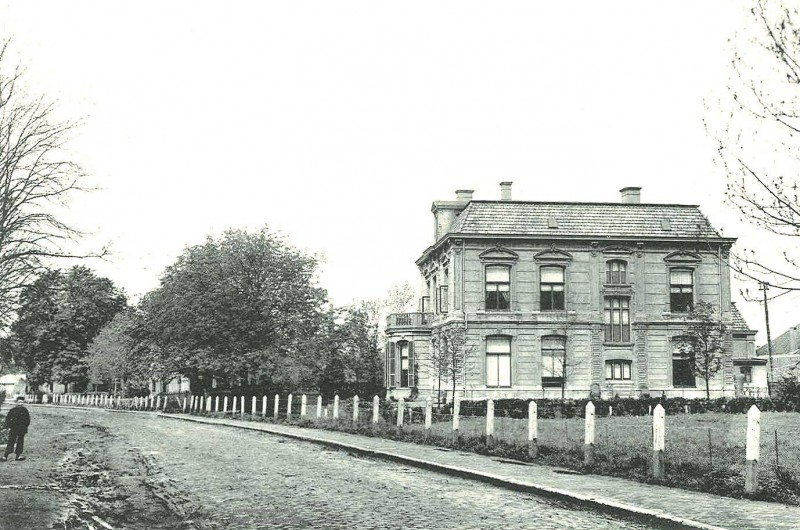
column 616, row 272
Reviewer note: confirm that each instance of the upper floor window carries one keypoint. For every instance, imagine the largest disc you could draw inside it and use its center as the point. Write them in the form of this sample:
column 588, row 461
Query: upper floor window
column 618, row 370
column 681, row 289
column 551, row 288
column 498, row 361
column 553, row 355
column 443, row 303
column 617, row 320
column 616, row 272
column 498, row 287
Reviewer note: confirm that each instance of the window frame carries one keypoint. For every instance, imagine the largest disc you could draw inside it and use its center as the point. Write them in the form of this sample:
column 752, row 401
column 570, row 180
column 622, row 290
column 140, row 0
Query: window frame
column 623, row 326
column 553, row 380
column 621, row 272
column 550, row 296
column 673, row 300
column 680, row 357
column 496, row 287
column 497, row 356
column 625, row 369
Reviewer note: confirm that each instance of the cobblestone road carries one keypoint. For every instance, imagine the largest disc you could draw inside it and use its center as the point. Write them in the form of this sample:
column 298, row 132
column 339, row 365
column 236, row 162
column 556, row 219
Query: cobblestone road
column 226, row 478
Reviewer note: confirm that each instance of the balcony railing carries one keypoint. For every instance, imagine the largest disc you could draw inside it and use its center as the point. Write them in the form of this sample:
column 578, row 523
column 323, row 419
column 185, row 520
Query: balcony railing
column 409, row 320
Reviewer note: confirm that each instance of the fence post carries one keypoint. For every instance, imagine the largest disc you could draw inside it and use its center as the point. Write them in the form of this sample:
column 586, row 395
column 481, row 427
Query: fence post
column 428, row 414
column 401, row 410
column 456, row 416
column 209, row 402
column 158, row 402
column 200, row 404
column 264, row 407
column 753, row 449
column 533, row 429
column 355, row 409
column 319, row 406
column 242, row 412
column 610, row 411
column 275, row 409
column 588, row 435
column 659, row 440
column 225, row 405
column 233, row 406
column 216, row 403
column 490, row 422
column 184, row 405
column 336, row 407
column 289, row 407
column 254, row 408
column 376, row 403
column 303, row 403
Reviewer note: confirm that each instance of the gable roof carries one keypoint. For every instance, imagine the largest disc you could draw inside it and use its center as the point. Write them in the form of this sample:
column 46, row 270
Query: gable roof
column 738, row 323
column 604, row 220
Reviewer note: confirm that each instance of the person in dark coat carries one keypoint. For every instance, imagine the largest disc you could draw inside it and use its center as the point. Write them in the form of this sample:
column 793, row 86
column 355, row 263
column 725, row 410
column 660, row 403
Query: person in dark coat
column 17, row 421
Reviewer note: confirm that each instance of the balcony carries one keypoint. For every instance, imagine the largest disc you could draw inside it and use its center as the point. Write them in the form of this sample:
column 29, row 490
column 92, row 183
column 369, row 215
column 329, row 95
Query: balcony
column 403, row 321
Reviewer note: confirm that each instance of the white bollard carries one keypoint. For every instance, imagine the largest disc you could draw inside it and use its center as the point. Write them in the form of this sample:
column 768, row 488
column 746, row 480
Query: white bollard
column 753, row 450
column 659, row 441
column 216, row 403
column 610, row 411
column 289, row 407
column 233, row 410
column 355, row 409
column 225, row 404
column 303, row 404
column 456, row 415
column 264, row 407
column 490, row 422
column 533, row 429
column 209, row 401
column 401, row 410
column 376, row 404
column 254, row 408
column 158, row 402
column 184, row 405
column 588, row 435
column 242, row 413
column 428, row 413
column 319, row 406
column 336, row 407
column 275, row 409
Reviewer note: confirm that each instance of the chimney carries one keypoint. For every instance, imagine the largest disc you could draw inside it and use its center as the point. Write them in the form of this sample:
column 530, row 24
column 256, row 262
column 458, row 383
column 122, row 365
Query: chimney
column 631, row 195
column 464, row 195
column 505, row 191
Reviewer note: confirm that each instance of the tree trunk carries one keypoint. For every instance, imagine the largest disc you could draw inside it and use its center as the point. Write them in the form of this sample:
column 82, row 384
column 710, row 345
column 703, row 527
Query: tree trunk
column 708, row 391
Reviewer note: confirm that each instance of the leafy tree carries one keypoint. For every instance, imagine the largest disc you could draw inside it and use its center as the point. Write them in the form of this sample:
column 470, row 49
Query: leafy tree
column 35, row 176
column 243, row 308
column 116, row 354
column 358, row 340
column 702, row 342
column 59, row 316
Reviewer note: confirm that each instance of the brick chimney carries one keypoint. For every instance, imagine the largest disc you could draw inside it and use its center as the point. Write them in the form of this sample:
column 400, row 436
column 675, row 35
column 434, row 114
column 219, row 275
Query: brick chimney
column 631, row 195
column 445, row 212
column 505, row 191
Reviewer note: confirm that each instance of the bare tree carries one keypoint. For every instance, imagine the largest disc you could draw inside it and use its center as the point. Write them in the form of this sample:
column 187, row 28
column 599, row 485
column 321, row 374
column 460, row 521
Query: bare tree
column 35, row 177
column 450, row 355
column 759, row 139
column 400, row 298
column 702, row 343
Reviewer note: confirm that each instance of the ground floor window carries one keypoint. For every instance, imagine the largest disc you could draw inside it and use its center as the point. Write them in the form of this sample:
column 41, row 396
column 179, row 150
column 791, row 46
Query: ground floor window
column 406, row 354
column 498, row 361
column 618, row 370
column 747, row 371
column 553, row 355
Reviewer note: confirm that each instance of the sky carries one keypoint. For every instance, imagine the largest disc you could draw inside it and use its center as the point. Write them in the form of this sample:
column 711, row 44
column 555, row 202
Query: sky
column 338, row 123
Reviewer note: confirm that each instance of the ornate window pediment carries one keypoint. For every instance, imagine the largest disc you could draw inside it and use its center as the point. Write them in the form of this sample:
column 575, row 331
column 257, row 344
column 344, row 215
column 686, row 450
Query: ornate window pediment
column 617, row 251
column 499, row 254
column 553, row 254
column 682, row 257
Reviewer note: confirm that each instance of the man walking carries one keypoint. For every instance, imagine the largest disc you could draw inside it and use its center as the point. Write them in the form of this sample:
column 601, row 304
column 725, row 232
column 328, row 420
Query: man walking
column 17, row 422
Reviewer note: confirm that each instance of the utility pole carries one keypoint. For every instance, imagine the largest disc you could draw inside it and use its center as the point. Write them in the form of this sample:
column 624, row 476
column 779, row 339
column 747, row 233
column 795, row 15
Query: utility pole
column 764, row 287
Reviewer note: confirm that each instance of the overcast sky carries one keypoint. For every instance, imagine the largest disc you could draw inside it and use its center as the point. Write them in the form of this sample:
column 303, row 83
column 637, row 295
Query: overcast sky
column 338, row 123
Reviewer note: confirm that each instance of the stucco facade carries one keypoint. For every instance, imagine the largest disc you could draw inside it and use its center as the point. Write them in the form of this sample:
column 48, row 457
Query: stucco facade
column 566, row 299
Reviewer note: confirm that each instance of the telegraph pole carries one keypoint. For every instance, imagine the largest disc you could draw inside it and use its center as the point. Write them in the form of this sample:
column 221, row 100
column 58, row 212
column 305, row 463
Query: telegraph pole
column 764, row 287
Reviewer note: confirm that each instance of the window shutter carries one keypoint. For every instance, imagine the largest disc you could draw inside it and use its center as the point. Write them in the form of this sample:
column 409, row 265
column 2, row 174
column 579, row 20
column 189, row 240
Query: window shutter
column 386, row 365
column 392, row 365
column 412, row 376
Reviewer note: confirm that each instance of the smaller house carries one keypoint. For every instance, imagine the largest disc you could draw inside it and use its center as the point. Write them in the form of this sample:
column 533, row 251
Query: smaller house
column 14, row 385
column 785, row 354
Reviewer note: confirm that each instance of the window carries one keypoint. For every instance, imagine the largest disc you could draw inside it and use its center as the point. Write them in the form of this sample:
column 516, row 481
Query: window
column 682, row 375
column 617, row 320
column 426, row 304
column 553, row 355
column 498, row 361
column 391, row 365
column 406, row 354
column 616, row 272
column 551, row 288
column 618, row 370
column 498, row 287
column 748, row 373
column 443, row 305
column 681, row 287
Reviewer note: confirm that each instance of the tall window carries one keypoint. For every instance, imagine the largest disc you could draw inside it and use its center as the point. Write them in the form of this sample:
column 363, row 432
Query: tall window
column 616, row 272
column 406, row 354
column 551, row 288
column 498, row 287
column 443, row 305
column 617, row 320
column 681, row 287
column 682, row 375
column 553, row 354
column 498, row 361
column 618, row 370
column 391, row 365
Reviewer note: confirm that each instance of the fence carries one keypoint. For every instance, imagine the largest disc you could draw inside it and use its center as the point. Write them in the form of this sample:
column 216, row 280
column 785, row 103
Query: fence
column 706, row 451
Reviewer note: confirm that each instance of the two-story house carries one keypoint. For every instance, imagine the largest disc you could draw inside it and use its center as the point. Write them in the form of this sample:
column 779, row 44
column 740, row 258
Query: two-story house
column 566, row 298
